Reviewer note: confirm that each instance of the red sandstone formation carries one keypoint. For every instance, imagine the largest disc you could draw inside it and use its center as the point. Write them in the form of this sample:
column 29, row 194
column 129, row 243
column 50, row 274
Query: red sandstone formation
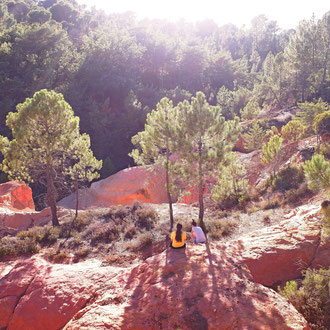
column 23, row 220
column 279, row 253
column 129, row 185
column 17, row 209
column 16, row 196
column 215, row 286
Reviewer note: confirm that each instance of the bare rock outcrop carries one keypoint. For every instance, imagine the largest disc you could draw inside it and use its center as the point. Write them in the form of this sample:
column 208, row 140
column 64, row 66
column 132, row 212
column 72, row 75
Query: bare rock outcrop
column 279, row 253
column 38, row 295
column 132, row 184
column 17, row 211
column 12, row 222
column 16, row 196
column 293, row 153
column 211, row 286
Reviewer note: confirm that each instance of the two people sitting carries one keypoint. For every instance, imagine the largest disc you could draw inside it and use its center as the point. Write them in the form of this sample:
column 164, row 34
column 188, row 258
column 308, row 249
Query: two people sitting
column 178, row 237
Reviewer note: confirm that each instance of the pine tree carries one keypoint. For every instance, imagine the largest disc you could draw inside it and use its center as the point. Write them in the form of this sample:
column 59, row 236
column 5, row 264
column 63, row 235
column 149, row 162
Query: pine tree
column 231, row 184
column 271, row 152
column 254, row 138
column 317, row 172
column 293, row 130
column 203, row 141
column 225, row 99
column 46, row 145
column 155, row 144
column 250, row 111
column 308, row 113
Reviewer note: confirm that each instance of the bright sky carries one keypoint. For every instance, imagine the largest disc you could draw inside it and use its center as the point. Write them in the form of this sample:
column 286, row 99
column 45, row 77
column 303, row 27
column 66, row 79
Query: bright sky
column 239, row 12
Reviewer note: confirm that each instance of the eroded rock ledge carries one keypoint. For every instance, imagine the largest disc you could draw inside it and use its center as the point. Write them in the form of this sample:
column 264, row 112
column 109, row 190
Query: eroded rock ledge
column 212, row 286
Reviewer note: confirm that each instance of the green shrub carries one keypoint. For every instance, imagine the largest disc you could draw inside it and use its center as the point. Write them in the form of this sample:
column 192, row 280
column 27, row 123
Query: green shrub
column 254, row 138
column 293, row 130
column 13, row 246
column 141, row 241
column 289, row 178
column 271, row 204
column 312, row 299
column 58, row 257
column 326, row 219
column 145, row 217
column 221, row 227
column 317, row 172
column 106, row 232
column 322, row 122
column 81, row 222
column 130, row 232
column 250, row 111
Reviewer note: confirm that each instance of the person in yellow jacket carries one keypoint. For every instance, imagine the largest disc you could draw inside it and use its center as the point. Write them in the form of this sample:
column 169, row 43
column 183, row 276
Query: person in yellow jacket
column 178, row 237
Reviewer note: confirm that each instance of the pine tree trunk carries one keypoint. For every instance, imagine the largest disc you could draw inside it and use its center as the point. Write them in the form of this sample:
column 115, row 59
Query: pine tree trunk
column 51, row 195
column 77, row 197
column 169, row 197
column 200, row 187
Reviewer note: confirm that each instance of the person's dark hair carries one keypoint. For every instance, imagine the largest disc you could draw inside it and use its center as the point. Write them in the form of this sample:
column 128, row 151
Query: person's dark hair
column 194, row 223
column 178, row 233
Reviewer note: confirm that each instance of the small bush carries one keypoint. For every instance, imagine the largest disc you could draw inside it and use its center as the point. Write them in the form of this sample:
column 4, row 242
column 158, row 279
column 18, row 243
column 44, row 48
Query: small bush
column 266, row 219
column 58, row 257
column 325, row 150
column 272, row 204
column 289, row 178
column 81, row 222
column 145, row 217
column 312, row 299
column 13, row 246
column 118, row 212
column 130, row 232
column 104, row 233
column 141, row 241
column 326, row 219
column 294, row 195
column 219, row 228
column 82, row 253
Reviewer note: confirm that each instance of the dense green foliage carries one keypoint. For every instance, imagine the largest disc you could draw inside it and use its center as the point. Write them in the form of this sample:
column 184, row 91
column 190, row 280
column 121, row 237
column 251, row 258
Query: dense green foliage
column 203, row 141
column 155, row 144
column 47, row 147
column 271, row 152
column 317, row 172
column 231, row 186
column 254, row 138
column 113, row 69
column 293, row 130
column 309, row 112
column 312, row 298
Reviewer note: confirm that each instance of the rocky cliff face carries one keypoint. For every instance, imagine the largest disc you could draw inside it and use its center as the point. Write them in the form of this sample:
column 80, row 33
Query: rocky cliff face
column 211, row 286
column 129, row 185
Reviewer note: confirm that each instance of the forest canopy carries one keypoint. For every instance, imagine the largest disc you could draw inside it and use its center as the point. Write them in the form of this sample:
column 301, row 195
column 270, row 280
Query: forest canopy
column 113, row 69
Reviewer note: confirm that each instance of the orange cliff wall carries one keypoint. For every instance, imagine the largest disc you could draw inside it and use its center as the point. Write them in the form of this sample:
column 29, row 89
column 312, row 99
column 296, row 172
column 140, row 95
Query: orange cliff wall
column 132, row 184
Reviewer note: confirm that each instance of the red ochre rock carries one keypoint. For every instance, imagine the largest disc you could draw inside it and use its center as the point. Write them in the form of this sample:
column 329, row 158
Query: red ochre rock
column 17, row 210
column 132, row 184
column 279, row 253
column 213, row 285
column 10, row 220
column 16, row 196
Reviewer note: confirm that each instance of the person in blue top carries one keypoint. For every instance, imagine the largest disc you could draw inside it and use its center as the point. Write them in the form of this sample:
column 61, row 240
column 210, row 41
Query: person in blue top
column 197, row 234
